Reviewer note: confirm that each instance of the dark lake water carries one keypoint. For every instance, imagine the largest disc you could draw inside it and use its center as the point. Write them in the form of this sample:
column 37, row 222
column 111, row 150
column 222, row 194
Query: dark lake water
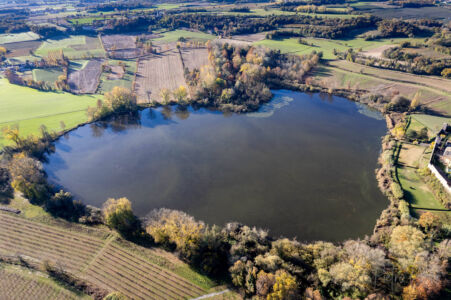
column 303, row 166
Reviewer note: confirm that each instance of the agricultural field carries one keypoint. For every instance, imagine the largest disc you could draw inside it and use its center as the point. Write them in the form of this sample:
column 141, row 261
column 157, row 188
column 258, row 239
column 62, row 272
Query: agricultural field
column 173, row 36
column 432, row 123
column 326, row 45
column 29, row 109
column 20, row 49
column 158, row 72
column 85, row 80
column 74, row 47
column 344, row 74
column 194, row 58
column 49, row 75
column 102, row 258
column 18, row 37
column 117, row 76
column 17, row 283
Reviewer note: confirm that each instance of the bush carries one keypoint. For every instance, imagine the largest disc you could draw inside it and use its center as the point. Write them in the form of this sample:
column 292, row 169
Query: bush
column 175, row 228
column 6, row 189
column 119, row 100
column 62, row 205
column 118, row 214
column 396, row 190
column 28, row 177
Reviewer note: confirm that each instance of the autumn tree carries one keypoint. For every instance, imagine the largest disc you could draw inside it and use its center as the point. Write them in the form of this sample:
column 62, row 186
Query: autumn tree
column 28, row 177
column 5, row 184
column 175, row 228
column 118, row 214
column 180, row 94
column 284, row 288
column 62, row 205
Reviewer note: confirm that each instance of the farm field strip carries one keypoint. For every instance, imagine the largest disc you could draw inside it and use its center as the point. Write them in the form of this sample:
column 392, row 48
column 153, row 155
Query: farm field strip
column 15, row 285
column 37, row 249
column 156, row 73
column 52, row 229
column 11, row 249
column 158, row 282
column 102, row 280
column 160, row 271
column 86, row 80
column 8, row 38
column 432, row 82
column 194, row 58
column 51, row 244
column 120, row 275
column 93, row 259
column 54, row 234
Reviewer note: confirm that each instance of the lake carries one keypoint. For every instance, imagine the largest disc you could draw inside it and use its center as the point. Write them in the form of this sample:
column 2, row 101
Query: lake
column 302, row 166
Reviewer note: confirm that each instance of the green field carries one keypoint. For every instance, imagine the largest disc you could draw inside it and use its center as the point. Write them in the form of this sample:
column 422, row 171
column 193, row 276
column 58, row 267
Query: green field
column 292, row 45
column 107, row 85
column 173, row 36
column 415, row 190
column 30, row 108
column 47, row 75
column 18, row 37
column 87, row 20
column 432, row 123
column 74, row 47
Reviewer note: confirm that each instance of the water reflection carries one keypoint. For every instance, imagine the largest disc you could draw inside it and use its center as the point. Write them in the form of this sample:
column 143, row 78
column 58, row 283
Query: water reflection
column 301, row 166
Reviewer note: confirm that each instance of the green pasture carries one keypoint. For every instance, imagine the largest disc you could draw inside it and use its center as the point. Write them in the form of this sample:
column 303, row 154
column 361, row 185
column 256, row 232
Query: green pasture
column 416, row 192
column 432, row 123
column 107, row 85
column 173, row 36
column 47, row 75
column 18, row 37
column 87, row 20
column 291, row 45
column 29, row 109
column 73, row 46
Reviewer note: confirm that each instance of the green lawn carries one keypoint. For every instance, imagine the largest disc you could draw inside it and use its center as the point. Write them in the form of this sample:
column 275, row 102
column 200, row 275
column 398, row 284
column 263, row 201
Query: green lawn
column 173, row 36
column 18, row 37
column 415, row 190
column 107, row 85
column 30, row 108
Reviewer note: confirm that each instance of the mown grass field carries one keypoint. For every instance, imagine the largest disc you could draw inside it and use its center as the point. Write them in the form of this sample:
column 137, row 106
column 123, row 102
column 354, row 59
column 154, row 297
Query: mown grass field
column 416, row 191
column 432, row 123
column 107, row 84
column 74, row 47
column 29, row 109
column 173, row 36
column 326, row 45
column 21, row 283
column 18, row 37
column 47, row 75
column 99, row 256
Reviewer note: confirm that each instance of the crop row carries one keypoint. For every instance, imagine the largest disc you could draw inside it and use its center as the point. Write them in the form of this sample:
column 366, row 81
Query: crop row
column 47, row 239
column 15, row 286
column 147, row 267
